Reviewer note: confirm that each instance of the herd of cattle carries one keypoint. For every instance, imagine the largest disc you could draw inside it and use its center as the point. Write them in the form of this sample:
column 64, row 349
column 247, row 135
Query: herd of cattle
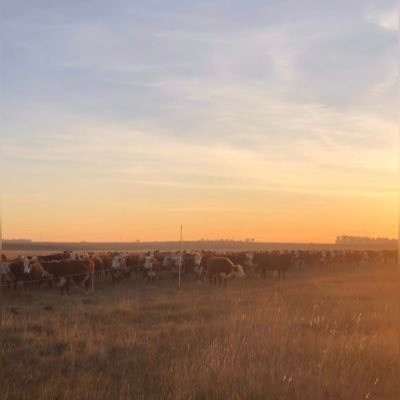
column 68, row 267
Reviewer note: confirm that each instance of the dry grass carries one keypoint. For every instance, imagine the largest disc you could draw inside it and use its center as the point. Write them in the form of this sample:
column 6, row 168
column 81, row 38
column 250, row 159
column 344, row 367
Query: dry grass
column 321, row 336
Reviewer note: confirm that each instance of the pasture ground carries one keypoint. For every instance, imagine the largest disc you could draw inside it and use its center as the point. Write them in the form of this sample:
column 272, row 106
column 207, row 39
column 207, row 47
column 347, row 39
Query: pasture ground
column 317, row 335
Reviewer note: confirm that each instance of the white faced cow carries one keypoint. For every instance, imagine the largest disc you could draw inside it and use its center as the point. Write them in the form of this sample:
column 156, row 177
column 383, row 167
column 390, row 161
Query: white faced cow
column 118, row 267
column 5, row 272
column 221, row 269
column 28, row 262
column 149, row 272
column 198, row 267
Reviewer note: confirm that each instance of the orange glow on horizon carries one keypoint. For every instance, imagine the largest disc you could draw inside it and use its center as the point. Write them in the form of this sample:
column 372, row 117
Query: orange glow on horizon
column 318, row 221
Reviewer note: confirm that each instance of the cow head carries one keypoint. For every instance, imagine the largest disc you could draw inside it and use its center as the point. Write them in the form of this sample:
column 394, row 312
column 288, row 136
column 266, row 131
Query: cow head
column 27, row 265
column 72, row 256
column 197, row 259
column 237, row 271
column 62, row 282
column 85, row 257
column 178, row 260
column 148, row 263
column 167, row 261
column 116, row 261
column 46, row 275
column 5, row 269
column 198, row 270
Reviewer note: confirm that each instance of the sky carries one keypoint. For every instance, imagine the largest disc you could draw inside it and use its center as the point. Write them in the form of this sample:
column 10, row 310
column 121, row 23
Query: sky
column 122, row 120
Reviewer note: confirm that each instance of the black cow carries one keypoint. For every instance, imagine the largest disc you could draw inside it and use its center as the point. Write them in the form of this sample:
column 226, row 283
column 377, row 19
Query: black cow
column 273, row 261
column 55, row 257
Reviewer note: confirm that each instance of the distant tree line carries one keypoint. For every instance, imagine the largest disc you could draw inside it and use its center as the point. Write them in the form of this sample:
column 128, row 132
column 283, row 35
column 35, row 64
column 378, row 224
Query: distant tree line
column 22, row 241
column 348, row 240
column 230, row 240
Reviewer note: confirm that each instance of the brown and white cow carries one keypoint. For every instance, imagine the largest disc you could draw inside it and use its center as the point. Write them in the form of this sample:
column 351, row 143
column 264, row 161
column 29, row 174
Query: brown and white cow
column 67, row 271
column 26, row 270
column 221, row 269
column 118, row 267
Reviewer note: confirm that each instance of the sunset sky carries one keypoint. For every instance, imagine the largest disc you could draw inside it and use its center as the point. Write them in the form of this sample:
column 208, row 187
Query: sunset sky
column 122, row 120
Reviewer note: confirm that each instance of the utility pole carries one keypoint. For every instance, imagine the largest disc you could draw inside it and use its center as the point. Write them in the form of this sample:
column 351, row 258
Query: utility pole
column 180, row 259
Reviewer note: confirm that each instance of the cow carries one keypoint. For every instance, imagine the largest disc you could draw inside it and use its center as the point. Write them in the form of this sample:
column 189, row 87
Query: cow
column 118, row 267
column 26, row 270
column 56, row 257
column 14, row 272
column 221, row 269
column 177, row 261
column 68, row 271
column 149, row 272
column 132, row 262
column 274, row 261
column 5, row 271
column 246, row 259
column 105, row 265
column 198, row 266
column 98, row 263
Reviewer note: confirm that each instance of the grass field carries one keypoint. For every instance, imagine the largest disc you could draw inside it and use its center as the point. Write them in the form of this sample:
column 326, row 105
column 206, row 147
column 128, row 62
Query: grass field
column 316, row 335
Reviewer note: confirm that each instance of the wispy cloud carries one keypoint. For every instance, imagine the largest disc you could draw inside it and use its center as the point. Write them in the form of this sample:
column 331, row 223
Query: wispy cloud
column 239, row 98
column 384, row 14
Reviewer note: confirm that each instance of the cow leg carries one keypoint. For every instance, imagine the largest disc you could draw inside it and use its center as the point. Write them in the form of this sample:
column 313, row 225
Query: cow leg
column 87, row 283
column 61, row 285
column 9, row 281
column 68, row 285
column 91, row 281
column 65, row 285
